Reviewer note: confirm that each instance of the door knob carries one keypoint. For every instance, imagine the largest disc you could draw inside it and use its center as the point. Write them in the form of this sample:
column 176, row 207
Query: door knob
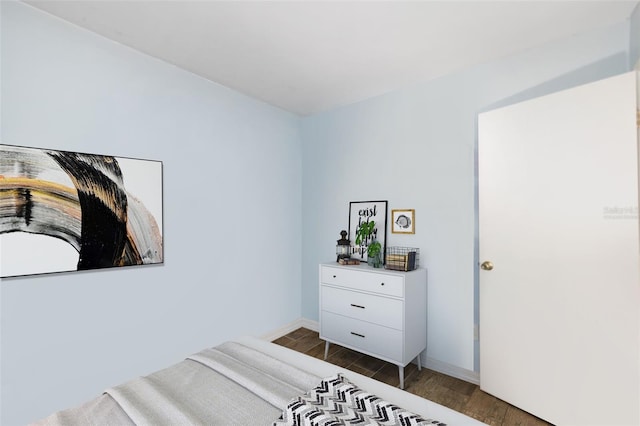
column 486, row 266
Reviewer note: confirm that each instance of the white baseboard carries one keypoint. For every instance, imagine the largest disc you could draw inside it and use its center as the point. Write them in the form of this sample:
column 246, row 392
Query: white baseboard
column 433, row 364
column 288, row 328
column 452, row 370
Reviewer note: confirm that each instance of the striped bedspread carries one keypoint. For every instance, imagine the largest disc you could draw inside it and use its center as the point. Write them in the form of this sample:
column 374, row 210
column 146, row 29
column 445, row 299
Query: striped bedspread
column 336, row 401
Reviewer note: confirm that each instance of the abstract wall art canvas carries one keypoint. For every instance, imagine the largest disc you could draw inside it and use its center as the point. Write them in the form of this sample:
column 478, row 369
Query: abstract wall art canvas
column 66, row 211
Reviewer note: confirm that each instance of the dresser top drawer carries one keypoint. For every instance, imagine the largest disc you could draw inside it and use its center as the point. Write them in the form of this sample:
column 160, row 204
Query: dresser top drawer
column 364, row 280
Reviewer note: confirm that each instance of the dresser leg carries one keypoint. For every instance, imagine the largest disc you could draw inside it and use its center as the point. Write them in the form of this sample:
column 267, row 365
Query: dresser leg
column 326, row 349
column 419, row 361
column 401, row 374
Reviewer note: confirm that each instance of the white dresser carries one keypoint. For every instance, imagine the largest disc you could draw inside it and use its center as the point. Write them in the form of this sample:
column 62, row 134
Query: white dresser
column 378, row 312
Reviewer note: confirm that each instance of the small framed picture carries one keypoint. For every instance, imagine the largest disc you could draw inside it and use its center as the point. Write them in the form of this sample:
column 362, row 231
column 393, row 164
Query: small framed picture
column 403, row 221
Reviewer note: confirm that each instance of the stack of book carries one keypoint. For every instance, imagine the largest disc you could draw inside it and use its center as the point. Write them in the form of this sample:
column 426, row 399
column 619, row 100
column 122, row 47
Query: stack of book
column 401, row 262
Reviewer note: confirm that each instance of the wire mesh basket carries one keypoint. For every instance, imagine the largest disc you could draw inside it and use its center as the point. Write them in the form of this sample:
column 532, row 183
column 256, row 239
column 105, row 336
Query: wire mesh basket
column 402, row 258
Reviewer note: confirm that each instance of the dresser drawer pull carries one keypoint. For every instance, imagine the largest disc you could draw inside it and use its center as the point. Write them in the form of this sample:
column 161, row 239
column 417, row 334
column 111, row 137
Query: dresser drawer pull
column 356, row 334
column 357, row 306
column 381, row 283
column 334, row 276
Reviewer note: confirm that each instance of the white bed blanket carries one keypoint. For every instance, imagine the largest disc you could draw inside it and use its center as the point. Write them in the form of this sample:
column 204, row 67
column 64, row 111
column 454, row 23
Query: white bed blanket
column 231, row 384
column 248, row 382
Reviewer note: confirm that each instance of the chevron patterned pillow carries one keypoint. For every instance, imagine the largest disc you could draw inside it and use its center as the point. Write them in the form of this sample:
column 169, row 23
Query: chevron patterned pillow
column 336, row 401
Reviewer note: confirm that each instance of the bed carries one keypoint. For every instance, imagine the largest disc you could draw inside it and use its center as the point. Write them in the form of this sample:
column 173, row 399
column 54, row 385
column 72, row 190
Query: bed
column 249, row 381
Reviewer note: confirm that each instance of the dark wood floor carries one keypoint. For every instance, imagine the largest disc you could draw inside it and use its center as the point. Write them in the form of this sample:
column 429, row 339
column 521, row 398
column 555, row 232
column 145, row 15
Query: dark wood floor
column 457, row 394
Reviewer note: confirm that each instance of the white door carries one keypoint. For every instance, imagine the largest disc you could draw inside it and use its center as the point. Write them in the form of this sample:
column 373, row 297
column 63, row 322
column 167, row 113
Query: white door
column 559, row 311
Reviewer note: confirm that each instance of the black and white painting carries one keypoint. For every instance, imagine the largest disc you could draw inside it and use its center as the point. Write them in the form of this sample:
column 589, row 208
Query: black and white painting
column 403, row 221
column 66, row 211
column 366, row 211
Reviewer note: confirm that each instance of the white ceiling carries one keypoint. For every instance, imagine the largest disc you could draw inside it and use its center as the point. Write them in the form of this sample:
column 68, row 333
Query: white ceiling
column 310, row 56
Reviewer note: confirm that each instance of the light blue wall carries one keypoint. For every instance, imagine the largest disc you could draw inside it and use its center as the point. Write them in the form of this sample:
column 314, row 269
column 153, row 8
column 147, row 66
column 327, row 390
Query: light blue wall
column 232, row 215
column 634, row 38
column 416, row 149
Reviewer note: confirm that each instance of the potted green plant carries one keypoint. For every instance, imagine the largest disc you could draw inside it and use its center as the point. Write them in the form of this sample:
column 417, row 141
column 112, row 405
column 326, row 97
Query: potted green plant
column 374, row 249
